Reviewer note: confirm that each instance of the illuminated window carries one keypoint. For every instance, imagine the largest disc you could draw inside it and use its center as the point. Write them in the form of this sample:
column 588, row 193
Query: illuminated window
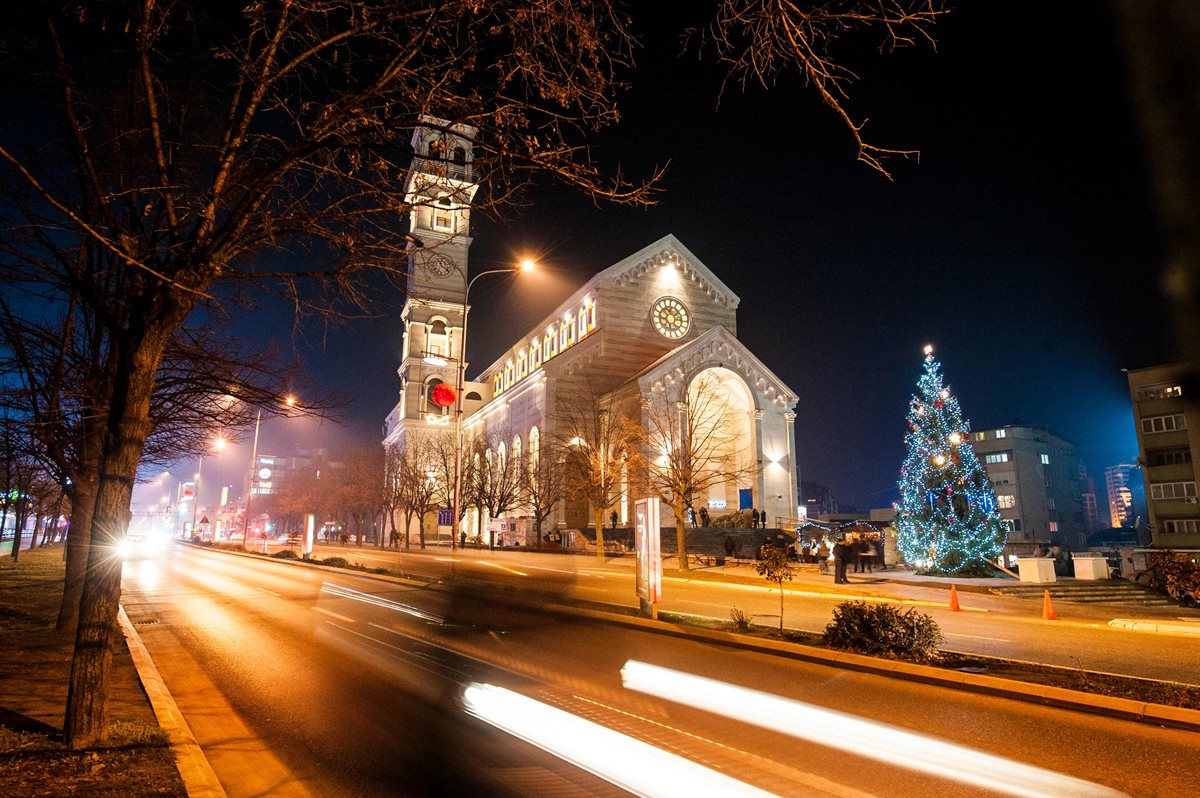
column 1005, row 501
column 535, row 443
column 1053, row 526
column 508, row 374
column 443, row 215
column 591, row 315
column 550, row 343
column 535, row 354
column 1045, row 459
column 1001, row 433
column 516, row 452
column 979, row 436
column 998, row 457
column 522, row 364
column 1160, row 392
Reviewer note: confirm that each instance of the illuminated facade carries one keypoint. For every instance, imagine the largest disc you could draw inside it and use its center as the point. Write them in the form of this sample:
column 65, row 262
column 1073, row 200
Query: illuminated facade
column 637, row 333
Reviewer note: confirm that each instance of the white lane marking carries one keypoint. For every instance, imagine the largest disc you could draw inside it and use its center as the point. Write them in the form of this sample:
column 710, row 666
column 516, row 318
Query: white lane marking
column 502, row 568
column 977, row 637
column 324, row 611
column 269, row 592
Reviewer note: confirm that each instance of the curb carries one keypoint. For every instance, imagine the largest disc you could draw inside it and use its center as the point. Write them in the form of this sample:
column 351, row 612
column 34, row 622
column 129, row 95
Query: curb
column 1182, row 629
column 1122, row 708
column 198, row 777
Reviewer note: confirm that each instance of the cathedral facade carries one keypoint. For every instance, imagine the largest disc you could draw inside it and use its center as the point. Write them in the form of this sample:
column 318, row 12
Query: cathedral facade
column 645, row 334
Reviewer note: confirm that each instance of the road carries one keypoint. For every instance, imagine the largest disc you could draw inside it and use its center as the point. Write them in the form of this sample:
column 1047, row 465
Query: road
column 298, row 681
column 991, row 625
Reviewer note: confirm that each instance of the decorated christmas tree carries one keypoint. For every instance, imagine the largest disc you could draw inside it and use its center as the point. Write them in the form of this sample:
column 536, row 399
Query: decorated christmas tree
column 946, row 517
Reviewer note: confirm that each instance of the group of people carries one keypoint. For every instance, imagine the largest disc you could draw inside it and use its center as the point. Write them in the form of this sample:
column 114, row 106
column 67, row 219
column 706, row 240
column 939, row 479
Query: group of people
column 853, row 552
column 758, row 519
column 1063, row 564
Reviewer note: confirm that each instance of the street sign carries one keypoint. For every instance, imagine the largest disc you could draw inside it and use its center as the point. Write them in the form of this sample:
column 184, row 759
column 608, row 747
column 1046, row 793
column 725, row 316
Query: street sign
column 204, row 520
column 445, row 516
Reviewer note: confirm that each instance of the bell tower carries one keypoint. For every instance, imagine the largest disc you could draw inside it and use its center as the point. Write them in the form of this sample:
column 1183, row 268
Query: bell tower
column 439, row 192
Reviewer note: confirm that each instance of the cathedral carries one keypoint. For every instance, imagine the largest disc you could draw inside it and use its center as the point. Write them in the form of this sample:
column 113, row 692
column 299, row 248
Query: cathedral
column 641, row 334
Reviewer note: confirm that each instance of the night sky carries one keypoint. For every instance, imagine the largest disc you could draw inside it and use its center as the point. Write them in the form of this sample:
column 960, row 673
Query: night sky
column 1022, row 244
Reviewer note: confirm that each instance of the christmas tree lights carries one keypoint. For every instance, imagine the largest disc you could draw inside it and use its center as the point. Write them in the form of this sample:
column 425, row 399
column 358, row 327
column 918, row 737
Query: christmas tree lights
column 946, row 517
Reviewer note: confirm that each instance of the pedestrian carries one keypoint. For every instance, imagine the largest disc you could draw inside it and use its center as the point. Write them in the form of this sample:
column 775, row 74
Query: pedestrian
column 841, row 555
column 753, row 518
column 704, row 517
column 462, row 539
column 691, row 514
column 823, row 556
column 613, row 518
column 855, row 552
column 869, row 554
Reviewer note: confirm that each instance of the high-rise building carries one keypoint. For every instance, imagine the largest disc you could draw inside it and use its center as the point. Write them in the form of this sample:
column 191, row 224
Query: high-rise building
column 1168, row 433
column 1036, row 478
column 1126, row 497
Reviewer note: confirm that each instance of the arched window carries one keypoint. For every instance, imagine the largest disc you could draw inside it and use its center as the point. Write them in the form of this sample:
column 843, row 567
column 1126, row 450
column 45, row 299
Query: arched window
column 443, row 215
column 437, row 343
column 501, row 458
column 516, row 452
column 535, row 445
column 474, row 395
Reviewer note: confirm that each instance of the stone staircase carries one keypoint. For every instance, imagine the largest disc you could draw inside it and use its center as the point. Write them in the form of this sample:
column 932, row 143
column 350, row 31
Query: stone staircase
column 1111, row 591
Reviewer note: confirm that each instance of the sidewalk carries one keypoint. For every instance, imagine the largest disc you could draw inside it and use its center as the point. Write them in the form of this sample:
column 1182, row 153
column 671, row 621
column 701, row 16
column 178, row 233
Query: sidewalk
column 891, row 584
column 34, row 667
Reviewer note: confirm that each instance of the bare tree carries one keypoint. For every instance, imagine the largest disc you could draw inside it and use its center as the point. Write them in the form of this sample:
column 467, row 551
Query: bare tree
column 418, row 484
column 543, row 482
column 601, row 448
column 496, row 483
column 759, row 41
column 206, row 152
column 691, row 444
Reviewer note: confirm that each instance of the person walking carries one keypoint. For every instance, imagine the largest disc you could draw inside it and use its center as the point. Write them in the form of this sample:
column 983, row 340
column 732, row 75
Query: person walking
column 823, row 556
column 841, row 555
column 753, row 518
column 869, row 553
column 613, row 518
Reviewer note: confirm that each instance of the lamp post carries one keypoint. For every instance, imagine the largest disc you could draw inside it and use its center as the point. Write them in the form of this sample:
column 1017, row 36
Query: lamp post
column 525, row 266
column 290, row 401
column 218, row 444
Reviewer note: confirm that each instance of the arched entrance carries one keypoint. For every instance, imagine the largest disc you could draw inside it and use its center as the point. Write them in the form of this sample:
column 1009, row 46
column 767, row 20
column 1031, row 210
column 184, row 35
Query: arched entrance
column 720, row 420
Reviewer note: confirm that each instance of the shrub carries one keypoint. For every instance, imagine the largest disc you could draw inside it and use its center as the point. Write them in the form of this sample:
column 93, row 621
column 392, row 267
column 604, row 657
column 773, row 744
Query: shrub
column 736, row 520
column 286, row 554
column 740, row 618
column 883, row 630
column 335, row 562
column 379, row 571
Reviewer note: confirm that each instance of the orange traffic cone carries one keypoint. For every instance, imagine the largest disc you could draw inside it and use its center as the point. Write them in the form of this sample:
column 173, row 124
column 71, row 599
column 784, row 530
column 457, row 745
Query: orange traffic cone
column 954, row 599
column 1048, row 608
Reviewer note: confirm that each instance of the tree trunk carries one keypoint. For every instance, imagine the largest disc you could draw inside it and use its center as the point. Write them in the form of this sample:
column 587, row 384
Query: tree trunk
column 86, row 722
column 599, row 533
column 680, row 534
column 79, row 531
column 16, row 547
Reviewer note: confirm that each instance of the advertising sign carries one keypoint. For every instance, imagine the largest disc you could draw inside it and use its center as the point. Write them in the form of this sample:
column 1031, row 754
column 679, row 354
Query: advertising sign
column 647, row 542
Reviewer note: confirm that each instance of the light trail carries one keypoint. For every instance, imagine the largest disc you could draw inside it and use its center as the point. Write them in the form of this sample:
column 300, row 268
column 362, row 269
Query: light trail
column 858, row 736
column 376, row 601
column 631, row 764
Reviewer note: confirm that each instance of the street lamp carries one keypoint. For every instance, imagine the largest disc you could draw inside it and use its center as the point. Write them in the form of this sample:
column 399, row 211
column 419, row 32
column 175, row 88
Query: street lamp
column 290, row 401
column 526, row 265
column 219, row 445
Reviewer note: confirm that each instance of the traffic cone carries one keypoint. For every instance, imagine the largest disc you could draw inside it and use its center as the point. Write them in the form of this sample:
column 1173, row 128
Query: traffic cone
column 954, row 599
column 1048, row 608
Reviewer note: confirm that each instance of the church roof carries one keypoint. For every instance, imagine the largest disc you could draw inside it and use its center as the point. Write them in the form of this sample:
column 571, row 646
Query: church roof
column 716, row 347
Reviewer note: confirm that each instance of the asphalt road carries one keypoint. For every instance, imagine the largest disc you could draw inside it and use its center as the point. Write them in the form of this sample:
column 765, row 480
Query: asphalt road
column 991, row 625
column 298, row 681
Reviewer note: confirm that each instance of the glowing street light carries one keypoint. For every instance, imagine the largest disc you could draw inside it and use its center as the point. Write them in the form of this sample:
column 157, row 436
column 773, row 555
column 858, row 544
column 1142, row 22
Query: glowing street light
column 525, row 266
column 218, row 446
